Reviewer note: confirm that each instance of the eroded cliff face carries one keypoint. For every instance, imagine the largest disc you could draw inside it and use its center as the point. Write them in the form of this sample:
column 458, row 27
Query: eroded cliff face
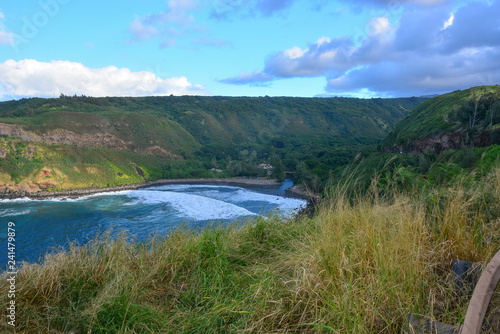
column 157, row 150
column 46, row 170
column 443, row 141
column 65, row 137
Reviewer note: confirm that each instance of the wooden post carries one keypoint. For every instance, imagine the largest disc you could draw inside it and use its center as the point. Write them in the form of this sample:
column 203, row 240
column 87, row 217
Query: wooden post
column 481, row 297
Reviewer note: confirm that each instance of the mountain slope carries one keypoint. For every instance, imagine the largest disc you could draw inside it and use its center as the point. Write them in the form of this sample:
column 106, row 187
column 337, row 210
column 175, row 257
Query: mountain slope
column 183, row 136
column 449, row 121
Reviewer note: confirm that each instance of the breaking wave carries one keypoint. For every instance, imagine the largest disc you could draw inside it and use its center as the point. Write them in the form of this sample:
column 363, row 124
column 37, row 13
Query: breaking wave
column 45, row 224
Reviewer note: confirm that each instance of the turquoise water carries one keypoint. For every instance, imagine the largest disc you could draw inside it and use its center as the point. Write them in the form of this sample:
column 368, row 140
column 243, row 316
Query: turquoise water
column 42, row 226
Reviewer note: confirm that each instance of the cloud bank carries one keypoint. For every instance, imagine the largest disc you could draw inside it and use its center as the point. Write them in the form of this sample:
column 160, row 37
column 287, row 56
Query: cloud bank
column 166, row 25
column 431, row 49
column 178, row 20
column 33, row 78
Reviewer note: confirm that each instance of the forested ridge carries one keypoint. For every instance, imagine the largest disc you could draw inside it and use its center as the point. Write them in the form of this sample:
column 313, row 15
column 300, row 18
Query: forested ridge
column 82, row 141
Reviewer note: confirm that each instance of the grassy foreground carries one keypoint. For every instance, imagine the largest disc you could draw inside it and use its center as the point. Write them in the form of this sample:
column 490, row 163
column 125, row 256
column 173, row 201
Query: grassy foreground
column 357, row 266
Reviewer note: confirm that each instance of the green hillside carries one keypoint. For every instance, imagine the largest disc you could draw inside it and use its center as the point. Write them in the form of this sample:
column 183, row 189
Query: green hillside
column 468, row 117
column 83, row 141
column 377, row 248
column 447, row 136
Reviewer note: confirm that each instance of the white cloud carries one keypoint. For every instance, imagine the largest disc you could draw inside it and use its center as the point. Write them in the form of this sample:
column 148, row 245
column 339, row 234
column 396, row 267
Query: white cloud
column 448, row 22
column 329, row 56
column 294, row 52
column 379, row 25
column 420, row 74
column 426, row 51
column 33, row 78
column 323, row 39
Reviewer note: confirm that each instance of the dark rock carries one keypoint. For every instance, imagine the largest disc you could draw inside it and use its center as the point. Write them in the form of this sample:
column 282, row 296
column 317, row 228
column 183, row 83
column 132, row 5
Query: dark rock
column 465, row 275
column 416, row 324
column 444, row 141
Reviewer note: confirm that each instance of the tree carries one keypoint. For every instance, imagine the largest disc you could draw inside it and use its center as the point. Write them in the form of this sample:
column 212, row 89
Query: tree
column 278, row 168
column 305, row 177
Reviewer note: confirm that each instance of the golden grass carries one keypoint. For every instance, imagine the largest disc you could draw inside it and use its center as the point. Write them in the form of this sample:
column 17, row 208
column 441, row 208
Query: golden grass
column 359, row 265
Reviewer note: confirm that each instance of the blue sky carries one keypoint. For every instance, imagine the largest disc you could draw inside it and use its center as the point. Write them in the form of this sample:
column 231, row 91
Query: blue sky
column 362, row 48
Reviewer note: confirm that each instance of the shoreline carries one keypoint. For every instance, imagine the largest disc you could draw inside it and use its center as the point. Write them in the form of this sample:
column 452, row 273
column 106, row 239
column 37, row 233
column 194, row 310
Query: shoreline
column 296, row 191
column 80, row 192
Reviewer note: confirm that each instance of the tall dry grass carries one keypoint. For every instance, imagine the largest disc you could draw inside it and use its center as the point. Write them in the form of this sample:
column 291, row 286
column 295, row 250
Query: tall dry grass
column 359, row 265
column 382, row 258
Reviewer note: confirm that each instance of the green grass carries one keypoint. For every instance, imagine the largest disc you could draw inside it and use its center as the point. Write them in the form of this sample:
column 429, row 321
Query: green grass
column 358, row 265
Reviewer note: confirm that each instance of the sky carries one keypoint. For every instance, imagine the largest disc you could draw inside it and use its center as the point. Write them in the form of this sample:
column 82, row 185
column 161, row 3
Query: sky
column 309, row 48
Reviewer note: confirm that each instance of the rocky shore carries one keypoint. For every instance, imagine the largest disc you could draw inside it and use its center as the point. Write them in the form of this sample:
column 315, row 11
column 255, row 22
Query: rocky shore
column 313, row 199
column 296, row 191
column 299, row 192
column 73, row 193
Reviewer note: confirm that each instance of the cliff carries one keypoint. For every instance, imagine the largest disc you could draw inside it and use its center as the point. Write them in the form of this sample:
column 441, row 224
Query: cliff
column 450, row 121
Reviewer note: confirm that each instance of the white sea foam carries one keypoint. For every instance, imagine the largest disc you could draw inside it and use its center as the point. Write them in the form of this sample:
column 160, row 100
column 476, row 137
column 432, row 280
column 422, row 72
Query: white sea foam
column 108, row 193
column 60, row 199
column 240, row 195
column 13, row 212
column 200, row 202
column 82, row 198
column 16, row 200
column 284, row 204
column 190, row 205
column 183, row 187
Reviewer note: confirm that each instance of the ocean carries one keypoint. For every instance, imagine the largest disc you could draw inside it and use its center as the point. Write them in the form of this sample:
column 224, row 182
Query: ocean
column 43, row 226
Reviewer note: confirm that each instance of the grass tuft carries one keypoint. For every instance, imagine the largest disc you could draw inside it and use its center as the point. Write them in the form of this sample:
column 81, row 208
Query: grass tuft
column 359, row 265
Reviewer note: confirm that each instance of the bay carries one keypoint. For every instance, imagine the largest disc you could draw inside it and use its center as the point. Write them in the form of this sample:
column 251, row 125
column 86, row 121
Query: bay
column 42, row 226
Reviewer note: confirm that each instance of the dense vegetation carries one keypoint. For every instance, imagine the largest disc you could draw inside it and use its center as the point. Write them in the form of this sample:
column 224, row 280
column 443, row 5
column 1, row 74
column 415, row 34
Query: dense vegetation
column 472, row 113
column 378, row 247
column 444, row 137
column 179, row 137
column 359, row 265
